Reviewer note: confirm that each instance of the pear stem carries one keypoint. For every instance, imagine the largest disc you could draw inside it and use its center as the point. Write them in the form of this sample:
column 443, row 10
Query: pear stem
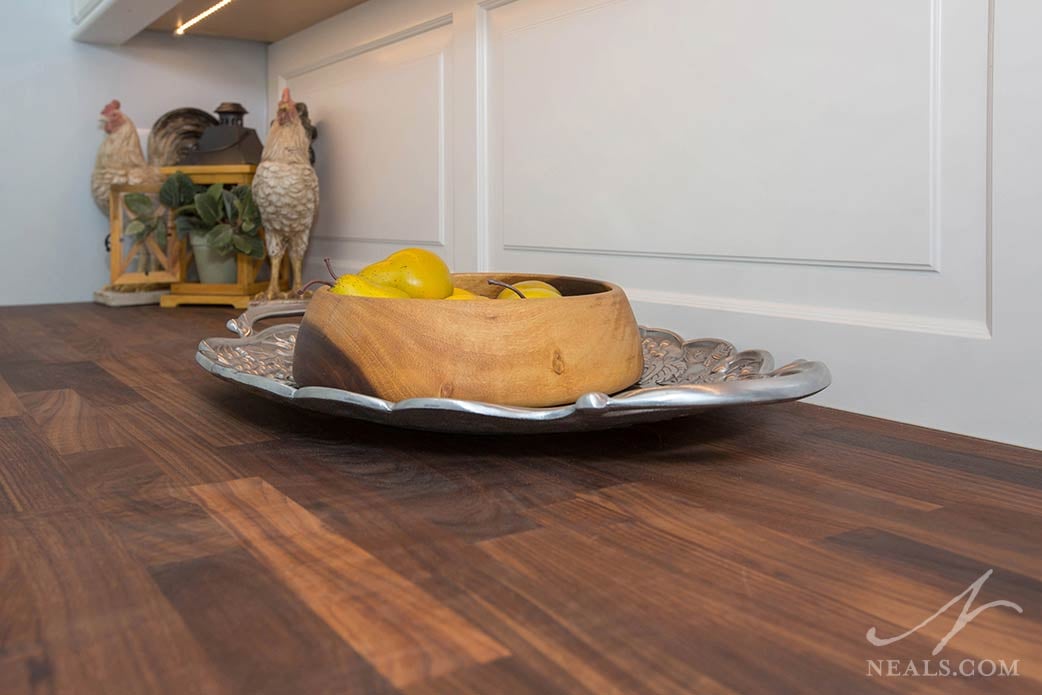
column 329, row 266
column 302, row 290
column 513, row 289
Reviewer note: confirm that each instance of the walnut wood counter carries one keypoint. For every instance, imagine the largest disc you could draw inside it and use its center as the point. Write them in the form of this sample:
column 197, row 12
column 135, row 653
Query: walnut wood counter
column 162, row 532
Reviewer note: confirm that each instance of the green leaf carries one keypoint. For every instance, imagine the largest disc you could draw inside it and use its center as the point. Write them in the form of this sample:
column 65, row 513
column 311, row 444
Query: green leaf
column 135, row 229
column 187, row 187
column 215, row 191
column 256, row 246
column 208, row 209
column 230, row 206
column 250, row 213
column 249, row 209
column 221, row 237
column 249, row 226
column 139, row 204
column 168, row 193
column 177, row 190
column 241, row 243
column 249, row 245
column 160, row 232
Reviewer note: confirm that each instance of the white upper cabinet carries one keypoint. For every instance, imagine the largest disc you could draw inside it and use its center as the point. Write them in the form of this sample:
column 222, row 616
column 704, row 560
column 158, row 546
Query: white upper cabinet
column 82, row 8
column 114, row 22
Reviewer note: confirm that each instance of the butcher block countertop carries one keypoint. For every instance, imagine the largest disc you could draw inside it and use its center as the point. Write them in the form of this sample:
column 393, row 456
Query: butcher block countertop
column 163, row 532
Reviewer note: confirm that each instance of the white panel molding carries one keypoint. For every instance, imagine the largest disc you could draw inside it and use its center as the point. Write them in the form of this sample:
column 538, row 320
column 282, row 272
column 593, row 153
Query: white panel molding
column 989, row 171
column 443, row 174
column 483, row 195
column 557, row 17
column 443, row 185
column 489, row 5
column 342, row 260
column 783, row 260
column 934, row 229
column 392, row 242
column 354, row 52
column 934, row 200
column 961, row 328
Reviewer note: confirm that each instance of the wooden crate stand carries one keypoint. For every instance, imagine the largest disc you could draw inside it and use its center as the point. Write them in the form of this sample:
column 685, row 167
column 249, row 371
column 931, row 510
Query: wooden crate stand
column 239, row 293
column 169, row 259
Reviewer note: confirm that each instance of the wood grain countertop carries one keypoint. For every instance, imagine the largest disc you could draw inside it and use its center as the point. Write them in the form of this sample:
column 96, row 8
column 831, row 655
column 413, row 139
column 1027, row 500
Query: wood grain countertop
column 163, row 532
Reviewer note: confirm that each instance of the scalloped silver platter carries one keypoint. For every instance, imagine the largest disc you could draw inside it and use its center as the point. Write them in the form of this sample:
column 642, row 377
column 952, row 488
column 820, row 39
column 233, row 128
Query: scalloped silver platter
column 680, row 378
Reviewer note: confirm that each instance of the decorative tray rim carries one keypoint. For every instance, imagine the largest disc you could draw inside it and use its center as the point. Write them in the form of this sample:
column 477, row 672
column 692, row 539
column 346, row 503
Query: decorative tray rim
column 729, row 378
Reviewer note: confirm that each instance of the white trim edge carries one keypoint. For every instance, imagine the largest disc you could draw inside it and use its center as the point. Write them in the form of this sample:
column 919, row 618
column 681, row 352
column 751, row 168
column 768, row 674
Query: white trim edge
column 961, row 328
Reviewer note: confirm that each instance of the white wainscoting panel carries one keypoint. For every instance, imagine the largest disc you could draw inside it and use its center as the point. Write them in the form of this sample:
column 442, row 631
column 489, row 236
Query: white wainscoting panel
column 839, row 180
column 671, row 143
column 382, row 153
column 641, row 128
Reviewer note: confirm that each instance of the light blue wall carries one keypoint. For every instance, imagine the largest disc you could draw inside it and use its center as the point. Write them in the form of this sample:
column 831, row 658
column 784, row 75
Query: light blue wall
column 51, row 90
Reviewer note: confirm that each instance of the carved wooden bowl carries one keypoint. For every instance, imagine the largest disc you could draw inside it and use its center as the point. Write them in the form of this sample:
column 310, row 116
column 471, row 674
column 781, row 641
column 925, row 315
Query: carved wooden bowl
column 532, row 352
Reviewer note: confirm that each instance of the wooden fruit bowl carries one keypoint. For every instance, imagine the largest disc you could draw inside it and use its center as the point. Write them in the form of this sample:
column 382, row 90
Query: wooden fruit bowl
column 532, row 352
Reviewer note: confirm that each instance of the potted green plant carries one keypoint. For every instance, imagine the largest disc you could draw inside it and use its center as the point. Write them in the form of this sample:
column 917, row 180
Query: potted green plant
column 217, row 222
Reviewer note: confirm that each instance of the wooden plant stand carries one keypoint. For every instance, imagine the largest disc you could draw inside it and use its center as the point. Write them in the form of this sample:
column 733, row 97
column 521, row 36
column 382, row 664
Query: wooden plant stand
column 129, row 259
column 236, row 294
column 169, row 259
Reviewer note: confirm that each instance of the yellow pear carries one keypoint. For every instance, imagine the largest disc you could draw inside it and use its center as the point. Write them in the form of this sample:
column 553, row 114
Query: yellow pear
column 357, row 286
column 416, row 272
column 532, row 289
column 463, row 295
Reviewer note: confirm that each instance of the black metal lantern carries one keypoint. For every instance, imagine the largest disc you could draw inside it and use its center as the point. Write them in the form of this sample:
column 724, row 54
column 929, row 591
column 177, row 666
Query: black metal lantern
column 228, row 142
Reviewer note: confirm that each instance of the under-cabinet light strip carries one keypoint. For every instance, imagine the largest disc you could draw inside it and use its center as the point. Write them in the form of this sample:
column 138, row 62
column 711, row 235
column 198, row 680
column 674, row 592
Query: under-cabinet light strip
column 200, row 17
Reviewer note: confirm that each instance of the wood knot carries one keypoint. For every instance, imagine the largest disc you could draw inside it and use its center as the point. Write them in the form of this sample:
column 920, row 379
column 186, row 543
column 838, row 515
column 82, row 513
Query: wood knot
column 445, row 391
column 558, row 363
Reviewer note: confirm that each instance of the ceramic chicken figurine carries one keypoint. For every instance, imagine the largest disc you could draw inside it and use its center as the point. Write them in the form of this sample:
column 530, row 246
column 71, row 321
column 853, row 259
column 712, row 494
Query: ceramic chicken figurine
column 119, row 157
column 285, row 189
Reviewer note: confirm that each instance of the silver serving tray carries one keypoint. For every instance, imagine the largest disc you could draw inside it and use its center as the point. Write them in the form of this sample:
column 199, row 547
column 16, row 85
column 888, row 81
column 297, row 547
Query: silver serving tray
column 680, row 377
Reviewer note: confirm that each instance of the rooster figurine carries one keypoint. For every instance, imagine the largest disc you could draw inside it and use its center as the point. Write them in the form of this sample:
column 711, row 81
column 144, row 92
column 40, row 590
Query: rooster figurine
column 285, row 189
column 119, row 157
